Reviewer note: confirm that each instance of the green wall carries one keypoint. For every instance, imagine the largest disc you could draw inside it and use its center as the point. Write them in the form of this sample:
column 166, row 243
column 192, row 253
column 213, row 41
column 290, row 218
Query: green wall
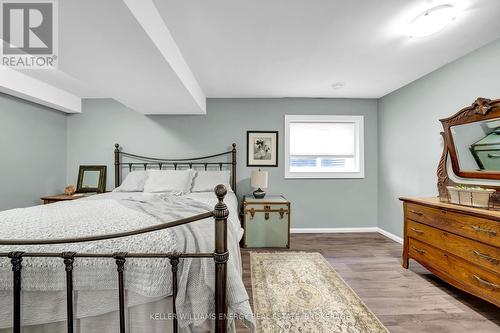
column 315, row 203
column 41, row 149
column 409, row 141
column 32, row 152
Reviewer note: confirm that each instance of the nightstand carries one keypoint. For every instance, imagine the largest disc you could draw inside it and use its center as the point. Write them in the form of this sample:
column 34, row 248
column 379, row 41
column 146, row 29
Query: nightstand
column 62, row 197
column 266, row 222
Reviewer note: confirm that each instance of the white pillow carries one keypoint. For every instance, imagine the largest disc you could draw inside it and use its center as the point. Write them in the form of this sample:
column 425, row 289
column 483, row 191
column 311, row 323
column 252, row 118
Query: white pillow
column 134, row 182
column 172, row 181
column 205, row 181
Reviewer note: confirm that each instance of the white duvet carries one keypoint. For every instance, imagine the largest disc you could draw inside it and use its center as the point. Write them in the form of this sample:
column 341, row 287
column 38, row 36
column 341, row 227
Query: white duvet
column 147, row 280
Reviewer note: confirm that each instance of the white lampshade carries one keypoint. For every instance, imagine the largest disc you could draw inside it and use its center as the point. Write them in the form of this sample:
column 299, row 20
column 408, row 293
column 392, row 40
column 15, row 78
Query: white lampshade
column 258, row 179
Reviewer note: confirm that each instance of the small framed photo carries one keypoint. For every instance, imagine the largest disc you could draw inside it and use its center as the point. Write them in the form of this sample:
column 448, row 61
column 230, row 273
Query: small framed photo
column 91, row 178
column 262, row 148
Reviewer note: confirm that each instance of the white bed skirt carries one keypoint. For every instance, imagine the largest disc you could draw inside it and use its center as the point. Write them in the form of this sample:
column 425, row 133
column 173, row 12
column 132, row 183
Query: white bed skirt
column 153, row 317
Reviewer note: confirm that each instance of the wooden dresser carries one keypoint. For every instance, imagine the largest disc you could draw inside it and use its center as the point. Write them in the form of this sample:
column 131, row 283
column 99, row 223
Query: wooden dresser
column 461, row 245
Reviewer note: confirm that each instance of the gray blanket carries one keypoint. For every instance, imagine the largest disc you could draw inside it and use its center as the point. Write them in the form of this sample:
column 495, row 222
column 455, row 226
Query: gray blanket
column 197, row 276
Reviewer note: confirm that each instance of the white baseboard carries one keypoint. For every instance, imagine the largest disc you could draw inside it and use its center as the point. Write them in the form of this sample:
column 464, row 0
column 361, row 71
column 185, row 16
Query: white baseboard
column 391, row 236
column 346, row 230
column 331, row 230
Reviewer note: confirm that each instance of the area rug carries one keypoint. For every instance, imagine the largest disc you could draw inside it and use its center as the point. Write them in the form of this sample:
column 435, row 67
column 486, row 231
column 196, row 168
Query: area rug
column 301, row 292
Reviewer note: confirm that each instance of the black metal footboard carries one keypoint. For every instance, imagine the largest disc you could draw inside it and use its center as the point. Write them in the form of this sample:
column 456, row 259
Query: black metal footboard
column 220, row 256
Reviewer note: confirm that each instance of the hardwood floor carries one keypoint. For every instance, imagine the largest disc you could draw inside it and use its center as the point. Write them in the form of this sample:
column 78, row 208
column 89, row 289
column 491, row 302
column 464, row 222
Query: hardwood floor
column 410, row 300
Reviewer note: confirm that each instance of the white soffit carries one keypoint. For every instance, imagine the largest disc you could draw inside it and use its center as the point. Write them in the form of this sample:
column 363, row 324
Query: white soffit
column 147, row 15
column 58, row 78
column 103, row 44
column 22, row 86
column 122, row 50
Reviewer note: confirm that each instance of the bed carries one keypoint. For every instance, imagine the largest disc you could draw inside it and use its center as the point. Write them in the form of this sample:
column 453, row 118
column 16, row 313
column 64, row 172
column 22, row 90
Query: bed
column 127, row 261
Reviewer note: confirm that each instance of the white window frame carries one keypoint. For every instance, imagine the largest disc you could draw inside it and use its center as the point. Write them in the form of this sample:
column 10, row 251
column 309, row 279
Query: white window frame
column 359, row 145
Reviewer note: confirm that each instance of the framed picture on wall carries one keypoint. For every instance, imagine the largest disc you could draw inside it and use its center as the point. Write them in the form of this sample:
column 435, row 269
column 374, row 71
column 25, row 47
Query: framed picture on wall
column 262, row 148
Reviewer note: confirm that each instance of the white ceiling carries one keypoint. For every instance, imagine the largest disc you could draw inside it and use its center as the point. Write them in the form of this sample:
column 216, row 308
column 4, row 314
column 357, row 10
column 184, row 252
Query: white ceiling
column 299, row 48
column 261, row 48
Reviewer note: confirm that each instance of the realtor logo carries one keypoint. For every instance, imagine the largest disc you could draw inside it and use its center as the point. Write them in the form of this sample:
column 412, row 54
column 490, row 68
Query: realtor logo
column 29, row 33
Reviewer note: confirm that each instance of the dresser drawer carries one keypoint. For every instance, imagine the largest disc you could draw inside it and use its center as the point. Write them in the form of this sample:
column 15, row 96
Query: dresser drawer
column 427, row 254
column 459, row 272
column 481, row 254
column 484, row 230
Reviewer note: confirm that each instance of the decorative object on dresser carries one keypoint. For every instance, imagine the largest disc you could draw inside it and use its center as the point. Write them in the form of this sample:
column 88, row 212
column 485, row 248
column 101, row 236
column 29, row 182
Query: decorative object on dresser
column 470, row 196
column 61, row 197
column 69, row 190
column 461, row 244
column 262, row 148
column 266, row 222
column 258, row 180
column 91, row 178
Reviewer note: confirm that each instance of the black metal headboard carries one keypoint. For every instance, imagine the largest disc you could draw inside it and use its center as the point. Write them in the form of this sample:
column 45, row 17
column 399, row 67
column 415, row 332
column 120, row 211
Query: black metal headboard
column 167, row 163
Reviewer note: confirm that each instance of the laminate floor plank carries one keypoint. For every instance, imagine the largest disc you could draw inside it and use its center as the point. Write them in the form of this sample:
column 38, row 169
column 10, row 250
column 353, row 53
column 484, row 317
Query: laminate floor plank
column 412, row 300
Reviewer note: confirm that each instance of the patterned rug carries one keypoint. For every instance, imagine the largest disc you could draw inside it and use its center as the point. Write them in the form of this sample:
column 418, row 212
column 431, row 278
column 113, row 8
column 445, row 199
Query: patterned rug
column 300, row 292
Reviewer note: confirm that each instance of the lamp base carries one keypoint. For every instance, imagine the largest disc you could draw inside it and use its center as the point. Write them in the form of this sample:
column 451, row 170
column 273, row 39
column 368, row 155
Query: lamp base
column 259, row 194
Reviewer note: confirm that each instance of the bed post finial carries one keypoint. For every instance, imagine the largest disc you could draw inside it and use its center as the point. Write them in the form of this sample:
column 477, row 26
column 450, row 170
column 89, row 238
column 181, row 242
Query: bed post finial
column 233, row 169
column 117, row 165
column 220, row 257
column 220, row 191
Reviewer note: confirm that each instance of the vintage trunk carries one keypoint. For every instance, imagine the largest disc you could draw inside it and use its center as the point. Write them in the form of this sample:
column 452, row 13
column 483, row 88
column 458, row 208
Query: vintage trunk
column 266, row 222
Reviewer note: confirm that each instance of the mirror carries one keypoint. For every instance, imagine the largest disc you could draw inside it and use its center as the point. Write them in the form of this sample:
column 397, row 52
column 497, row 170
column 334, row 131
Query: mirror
column 477, row 145
column 471, row 139
column 91, row 178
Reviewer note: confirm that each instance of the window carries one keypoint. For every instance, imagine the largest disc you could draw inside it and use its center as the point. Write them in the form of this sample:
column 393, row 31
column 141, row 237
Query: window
column 324, row 146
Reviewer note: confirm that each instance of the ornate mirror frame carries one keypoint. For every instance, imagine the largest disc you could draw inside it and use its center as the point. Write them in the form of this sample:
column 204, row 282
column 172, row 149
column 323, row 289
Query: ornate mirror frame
column 481, row 109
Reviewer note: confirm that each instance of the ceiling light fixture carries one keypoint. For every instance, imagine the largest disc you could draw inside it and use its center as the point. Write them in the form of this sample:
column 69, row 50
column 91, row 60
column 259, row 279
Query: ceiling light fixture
column 432, row 21
column 338, row 85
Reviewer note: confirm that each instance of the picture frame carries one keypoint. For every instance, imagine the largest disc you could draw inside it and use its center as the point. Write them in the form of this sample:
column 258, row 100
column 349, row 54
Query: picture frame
column 262, row 148
column 91, row 178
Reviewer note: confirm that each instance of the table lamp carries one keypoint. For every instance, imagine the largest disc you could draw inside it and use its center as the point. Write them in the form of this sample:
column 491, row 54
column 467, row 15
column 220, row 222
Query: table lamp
column 258, row 180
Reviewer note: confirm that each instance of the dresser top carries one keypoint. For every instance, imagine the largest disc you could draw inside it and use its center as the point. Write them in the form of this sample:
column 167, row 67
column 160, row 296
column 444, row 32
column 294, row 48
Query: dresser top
column 434, row 202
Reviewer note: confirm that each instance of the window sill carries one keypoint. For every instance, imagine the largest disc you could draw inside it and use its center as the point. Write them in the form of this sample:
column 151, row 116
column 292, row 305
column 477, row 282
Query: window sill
column 325, row 175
